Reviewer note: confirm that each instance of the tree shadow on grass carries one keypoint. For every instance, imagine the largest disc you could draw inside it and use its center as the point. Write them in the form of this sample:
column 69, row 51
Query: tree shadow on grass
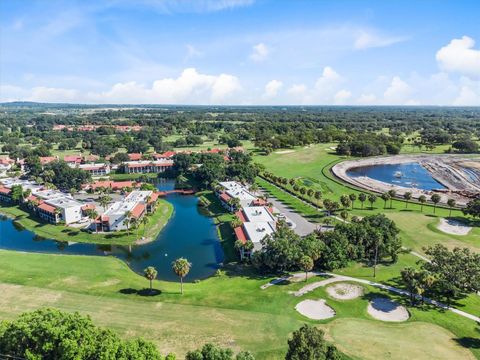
column 143, row 292
column 469, row 342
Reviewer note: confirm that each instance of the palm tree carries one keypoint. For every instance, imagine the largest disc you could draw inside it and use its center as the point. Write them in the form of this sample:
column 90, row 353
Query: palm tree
column 104, row 201
column 407, row 196
column 134, row 222
column 392, row 194
column 385, row 197
column 144, row 222
column 254, row 188
column 423, row 200
column 317, row 196
column 362, row 197
column 371, row 199
column 344, row 215
column 352, row 197
column 345, row 200
column 181, row 267
column 306, row 264
column 127, row 221
column 92, row 215
column 150, row 274
column 435, row 198
column 451, row 203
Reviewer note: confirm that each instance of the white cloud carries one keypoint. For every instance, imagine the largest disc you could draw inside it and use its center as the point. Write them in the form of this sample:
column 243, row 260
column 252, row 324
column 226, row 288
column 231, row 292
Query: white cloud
column 297, row 89
column 369, row 39
column 398, row 92
column 459, row 56
column 260, row 52
column 272, row 88
column 367, row 99
column 467, row 97
column 329, row 79
column 342, row 97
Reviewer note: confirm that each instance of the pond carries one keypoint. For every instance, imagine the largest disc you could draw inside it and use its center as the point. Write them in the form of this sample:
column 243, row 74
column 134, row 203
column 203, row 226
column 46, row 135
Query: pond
column 409, row 175
column 189, row 233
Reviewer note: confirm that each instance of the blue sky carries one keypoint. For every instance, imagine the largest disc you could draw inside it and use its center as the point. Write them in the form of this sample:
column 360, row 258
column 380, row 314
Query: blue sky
column 355, row 52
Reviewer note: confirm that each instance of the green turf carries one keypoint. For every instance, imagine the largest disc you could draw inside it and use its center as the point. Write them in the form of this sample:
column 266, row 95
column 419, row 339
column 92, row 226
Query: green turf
column 229, row 309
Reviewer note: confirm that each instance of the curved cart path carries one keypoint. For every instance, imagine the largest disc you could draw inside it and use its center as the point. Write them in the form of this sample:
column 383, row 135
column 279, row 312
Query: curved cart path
column 335, row 277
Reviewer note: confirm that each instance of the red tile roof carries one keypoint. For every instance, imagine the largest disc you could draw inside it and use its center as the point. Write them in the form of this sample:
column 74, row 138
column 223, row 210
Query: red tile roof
column 166, row 154
column 259, row 202
column 114, row 185
column 240, row 234
column 154, row 197
column 225, row 197
column 31, row 198
column 73, row 158
column 138, row 210
column 241, row 216
column 5, row 190
column 47, row 208
column 135, row 156
column 88, row 207
column 47, row 159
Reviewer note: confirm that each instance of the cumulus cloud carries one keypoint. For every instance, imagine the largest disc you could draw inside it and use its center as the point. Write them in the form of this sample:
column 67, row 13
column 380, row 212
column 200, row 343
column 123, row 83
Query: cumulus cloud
column 342, row 97
column 398, row 92
column 367, row 99
column 272, row 88
column 191, row 87
column 260, row 52
column 460, row 56
column 368, row 39
column 467, row 97
column 297, row 89
column 329, row 79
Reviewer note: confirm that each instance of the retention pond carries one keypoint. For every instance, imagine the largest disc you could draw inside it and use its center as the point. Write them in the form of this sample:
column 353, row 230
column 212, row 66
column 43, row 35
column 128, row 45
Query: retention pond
column 409, row 175
column 189, row 233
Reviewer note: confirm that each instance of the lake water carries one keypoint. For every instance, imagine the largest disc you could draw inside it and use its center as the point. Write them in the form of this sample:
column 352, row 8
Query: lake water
column 413, row 175
column 189, row 233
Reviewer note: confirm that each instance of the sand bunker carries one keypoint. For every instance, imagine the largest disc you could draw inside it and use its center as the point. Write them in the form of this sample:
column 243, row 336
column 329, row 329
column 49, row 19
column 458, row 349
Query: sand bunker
column 453, row 227
column 284, row 151
column 387, row 310
column 315, row 309
column 345, row 291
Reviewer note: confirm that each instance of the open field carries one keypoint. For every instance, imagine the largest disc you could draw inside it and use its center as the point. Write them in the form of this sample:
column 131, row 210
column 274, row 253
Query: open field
column 230, row 310
column 64, row 233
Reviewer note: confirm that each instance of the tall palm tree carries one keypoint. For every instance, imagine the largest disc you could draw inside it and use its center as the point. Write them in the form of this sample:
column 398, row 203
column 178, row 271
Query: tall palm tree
column 407, row 196
column 150, row 274
column 352, row 197
column 144, row 222
column 127, row 221
column 362, row 198
column 181, row 267
column 385, row 197
column 435, row 198
column 423, row 200
column 392, row 194
column 92, row 215
column 104, row 201
column 451, row 203
column 371, row 199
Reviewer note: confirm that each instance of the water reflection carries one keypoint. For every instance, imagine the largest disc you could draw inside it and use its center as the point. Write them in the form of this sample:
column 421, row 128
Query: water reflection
column 189, row 233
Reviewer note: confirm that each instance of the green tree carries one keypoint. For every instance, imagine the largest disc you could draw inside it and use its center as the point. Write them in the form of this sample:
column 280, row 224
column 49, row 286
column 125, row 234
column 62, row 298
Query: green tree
column 392, row 194
column 308, row 343
column 362, row 198
column 306, row 265
column 353, row 198
column 385, row 197
column 104, row 200
column 345, row 201
column 181, row 267
column 150, row 274
column 17, row 193
column 92, row 215
column 371, row 199
column 407, row 196
column 451, row 204
column 423, row 200
column 435, row 198
column 52, row 334
column 472, row 208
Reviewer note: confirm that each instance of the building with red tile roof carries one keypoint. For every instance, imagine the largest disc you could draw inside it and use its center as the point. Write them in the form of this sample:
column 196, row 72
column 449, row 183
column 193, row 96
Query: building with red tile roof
column 47, row 159
column 135, row 156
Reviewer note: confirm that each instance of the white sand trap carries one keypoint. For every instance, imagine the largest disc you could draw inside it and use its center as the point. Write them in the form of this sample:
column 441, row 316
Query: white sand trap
column 387, row 310
column 284, row 151
column 345, row 291
column 315, row 309
column 453, row 227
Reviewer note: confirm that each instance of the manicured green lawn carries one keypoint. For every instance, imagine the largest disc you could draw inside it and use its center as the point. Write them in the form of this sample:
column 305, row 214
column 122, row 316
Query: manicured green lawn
column 230, row 310
column 124, row 177
column 65, row 233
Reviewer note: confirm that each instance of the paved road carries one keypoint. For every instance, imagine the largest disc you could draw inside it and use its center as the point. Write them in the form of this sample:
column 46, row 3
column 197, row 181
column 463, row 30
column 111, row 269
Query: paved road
column 303, row 226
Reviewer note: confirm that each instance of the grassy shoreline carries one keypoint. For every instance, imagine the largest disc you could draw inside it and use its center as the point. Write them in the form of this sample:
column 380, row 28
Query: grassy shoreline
column 64, row 233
